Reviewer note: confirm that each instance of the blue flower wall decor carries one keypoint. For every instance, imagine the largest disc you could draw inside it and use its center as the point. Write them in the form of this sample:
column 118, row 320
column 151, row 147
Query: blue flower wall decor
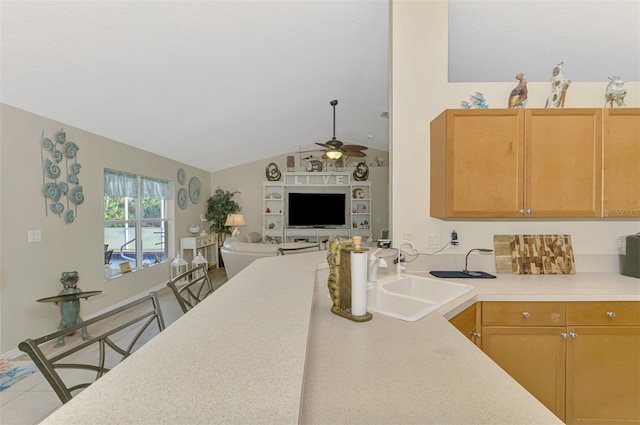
column 59, row 158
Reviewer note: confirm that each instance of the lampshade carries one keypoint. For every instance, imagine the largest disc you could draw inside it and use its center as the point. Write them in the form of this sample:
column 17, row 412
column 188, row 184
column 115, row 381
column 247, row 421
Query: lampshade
column 235, row 221
column 333, row 153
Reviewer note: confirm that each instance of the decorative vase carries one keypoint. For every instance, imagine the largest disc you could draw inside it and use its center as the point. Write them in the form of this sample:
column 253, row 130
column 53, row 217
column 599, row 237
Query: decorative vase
column 194, row 229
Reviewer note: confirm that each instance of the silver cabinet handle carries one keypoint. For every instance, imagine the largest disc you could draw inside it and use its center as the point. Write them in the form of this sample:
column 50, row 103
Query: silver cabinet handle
column 476, row 334
column 611, row 314
column 521, row 211
column 529, row 211
column 565, row 335
column 526, row 314
column 573, row 335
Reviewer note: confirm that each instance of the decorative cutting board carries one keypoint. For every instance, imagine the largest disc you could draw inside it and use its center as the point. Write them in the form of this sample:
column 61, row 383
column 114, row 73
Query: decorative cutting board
column 534, row 254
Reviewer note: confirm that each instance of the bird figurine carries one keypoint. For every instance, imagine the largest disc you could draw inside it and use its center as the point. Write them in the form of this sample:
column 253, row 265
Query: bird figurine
column 518, row 96
column 478, row 101
column 615, row 93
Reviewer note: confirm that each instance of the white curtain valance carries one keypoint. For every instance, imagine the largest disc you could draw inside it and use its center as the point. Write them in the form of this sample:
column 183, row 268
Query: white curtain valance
column 155, row 188
column 120, row 184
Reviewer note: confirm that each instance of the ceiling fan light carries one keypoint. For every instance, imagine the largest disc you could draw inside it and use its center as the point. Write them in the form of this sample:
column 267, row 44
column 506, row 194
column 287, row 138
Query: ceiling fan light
column 333, row 154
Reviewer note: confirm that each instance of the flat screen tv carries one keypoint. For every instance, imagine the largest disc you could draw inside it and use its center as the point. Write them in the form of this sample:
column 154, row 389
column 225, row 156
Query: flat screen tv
column 316, row 209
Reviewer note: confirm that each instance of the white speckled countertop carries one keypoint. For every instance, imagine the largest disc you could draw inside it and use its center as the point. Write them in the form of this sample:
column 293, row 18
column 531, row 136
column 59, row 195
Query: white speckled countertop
column 265, row 349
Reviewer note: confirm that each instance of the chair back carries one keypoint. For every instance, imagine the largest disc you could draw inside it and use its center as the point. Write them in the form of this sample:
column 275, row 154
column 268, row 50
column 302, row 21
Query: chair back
column 107, row 256
column 191, row 287
column 100, row 343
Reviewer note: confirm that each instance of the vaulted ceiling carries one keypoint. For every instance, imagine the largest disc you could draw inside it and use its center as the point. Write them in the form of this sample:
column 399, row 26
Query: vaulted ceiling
column 209, row 83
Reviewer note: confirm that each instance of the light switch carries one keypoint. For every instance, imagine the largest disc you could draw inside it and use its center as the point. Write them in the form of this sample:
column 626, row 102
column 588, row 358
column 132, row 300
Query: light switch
column 433, row 240
column 34, row 236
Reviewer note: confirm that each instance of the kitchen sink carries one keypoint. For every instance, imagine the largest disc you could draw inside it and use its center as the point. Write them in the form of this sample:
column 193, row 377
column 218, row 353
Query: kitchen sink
column 411, row 298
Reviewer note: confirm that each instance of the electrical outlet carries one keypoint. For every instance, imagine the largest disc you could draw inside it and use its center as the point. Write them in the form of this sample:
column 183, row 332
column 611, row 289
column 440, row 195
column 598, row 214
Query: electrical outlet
column 434, row 240
column 453, row 241
column 407, row 237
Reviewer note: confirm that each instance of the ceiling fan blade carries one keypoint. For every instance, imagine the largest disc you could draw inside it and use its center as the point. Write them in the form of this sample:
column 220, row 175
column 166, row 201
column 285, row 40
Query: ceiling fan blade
column 355, row 154
column 324, row 145
column 354, row 147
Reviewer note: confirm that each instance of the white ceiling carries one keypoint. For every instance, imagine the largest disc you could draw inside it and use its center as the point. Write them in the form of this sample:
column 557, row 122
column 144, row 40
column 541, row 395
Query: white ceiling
column 596, row 39
column 209, row 83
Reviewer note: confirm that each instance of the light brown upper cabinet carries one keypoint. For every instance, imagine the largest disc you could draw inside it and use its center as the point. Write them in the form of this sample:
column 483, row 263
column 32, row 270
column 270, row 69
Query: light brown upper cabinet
column 536, row 163
column 621, row 159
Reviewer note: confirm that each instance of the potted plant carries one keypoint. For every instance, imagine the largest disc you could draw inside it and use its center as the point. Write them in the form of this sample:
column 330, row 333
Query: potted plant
column 219, row 206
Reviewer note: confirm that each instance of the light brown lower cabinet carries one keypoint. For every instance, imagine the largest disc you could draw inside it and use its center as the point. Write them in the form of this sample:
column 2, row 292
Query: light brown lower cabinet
column 603, row 363
column 468, row 322
column 535, row 357
column 580, row 359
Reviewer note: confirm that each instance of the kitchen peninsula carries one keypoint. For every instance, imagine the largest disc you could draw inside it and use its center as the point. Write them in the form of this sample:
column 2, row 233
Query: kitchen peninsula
column 265, row 349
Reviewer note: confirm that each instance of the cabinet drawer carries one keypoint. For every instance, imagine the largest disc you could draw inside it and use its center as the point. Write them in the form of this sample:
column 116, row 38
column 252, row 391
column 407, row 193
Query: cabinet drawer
column 610, row 313
column 523, row 313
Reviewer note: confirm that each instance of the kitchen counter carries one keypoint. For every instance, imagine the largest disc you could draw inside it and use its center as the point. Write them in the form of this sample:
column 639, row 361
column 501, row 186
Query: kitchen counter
column 266, row 349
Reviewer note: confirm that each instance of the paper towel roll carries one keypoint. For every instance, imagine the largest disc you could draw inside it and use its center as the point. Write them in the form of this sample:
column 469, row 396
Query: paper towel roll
column 358, row 283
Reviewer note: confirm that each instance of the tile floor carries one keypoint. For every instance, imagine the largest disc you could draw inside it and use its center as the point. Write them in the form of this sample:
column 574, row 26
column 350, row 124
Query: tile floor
column 32, row 399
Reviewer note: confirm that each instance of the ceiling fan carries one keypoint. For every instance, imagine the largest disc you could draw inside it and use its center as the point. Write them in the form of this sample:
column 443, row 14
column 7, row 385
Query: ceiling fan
column 335, row 148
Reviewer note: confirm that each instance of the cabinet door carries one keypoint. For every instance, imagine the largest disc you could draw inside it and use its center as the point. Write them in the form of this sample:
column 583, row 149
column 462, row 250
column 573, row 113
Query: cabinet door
column 621, row 146
column 563, row 161
column 533, row 356
column 477, row 163
column 467, row 322
column 603, row 375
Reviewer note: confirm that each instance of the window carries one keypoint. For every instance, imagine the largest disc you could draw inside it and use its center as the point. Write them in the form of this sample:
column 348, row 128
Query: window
column 135, row 220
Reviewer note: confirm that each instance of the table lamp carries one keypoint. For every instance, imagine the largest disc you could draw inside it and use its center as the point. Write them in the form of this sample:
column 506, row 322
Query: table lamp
column 235, row 221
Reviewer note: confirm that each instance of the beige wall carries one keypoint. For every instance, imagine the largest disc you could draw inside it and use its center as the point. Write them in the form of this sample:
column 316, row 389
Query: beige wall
column 420, row 91
column 248, row 179
column 32, row 271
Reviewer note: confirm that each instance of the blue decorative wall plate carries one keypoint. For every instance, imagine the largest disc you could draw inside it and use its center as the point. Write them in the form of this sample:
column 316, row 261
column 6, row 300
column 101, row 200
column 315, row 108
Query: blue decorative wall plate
column 195, row 189
column 182, row 198
column 182, row 176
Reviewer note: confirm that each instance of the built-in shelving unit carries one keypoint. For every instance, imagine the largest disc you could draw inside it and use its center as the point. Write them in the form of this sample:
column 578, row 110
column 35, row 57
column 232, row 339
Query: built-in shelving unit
column 357, row 211
column 273, row 211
